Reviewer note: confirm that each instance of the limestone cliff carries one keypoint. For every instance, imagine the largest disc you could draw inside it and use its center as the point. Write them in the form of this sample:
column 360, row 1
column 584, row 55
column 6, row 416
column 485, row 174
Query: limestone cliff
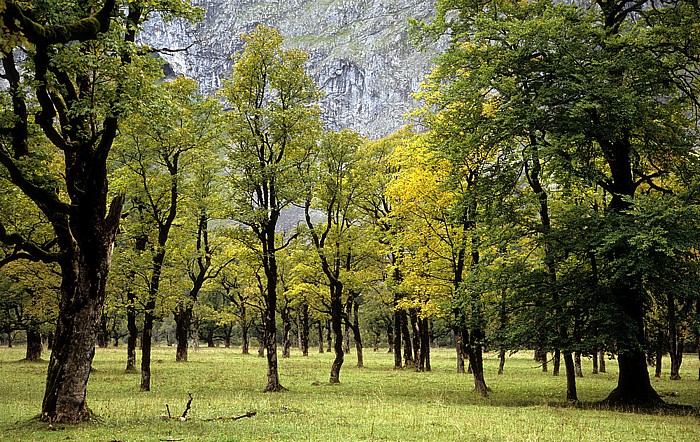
column 359, row 50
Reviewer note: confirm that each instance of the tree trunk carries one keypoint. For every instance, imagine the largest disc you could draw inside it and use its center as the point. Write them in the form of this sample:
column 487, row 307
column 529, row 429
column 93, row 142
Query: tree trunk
column 601, row 361
column 501, row 360
column 415, row 329
column 337, row 326
column 595, row 363
column 659, row 353
column 261, row 345
column 476, row 360
column 286, row 334
column 146, row 342
column 245, row 339
column 103, row 335
column 398, row 361
column 424, row 332
column 390, row 336
column 304, row 329
column 571, row 394
column 34, row 344
column 406, row 336
column 329, row 336
column 674, row 340
column 556, row 364
column 459, row 345
column 183, row 321
column 577, row 364
column 320, row 337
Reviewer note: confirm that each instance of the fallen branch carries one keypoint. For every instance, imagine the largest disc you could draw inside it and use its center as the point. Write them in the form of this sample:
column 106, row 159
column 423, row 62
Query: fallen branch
column 187, row 408
column 232, row 418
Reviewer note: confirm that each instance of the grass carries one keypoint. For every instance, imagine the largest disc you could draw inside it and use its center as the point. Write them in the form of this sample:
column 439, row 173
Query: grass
column 373, row 403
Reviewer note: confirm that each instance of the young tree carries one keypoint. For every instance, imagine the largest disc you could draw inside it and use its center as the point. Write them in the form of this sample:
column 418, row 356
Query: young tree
column 272, row 124
column 71, row 70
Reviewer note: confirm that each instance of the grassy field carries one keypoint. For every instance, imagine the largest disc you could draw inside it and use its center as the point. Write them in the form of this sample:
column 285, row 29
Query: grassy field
column 373, row 403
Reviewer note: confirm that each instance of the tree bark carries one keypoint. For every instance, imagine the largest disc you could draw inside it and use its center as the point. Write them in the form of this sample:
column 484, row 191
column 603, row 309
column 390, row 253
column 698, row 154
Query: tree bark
column 356, row 332
column 556, row 364
column 304, row 329
column 286, row 333
column 601, row 361
column 337, row 327
column 398, row 360
column 595, row 363
column 183, row 321
column 577, row 364
column 675, row 340
column 406, row 336
column 424, row 333
column 320, row 337
column 34, row 344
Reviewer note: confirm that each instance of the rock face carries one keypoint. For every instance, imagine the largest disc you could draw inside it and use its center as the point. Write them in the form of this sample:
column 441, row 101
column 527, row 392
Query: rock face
column 359, row 52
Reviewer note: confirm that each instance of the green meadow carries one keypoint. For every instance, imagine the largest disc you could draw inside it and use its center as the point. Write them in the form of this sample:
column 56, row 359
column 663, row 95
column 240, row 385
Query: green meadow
column 372, row 403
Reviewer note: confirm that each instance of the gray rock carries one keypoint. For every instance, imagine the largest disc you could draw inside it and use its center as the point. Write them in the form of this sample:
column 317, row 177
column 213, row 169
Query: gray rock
column 359, row 52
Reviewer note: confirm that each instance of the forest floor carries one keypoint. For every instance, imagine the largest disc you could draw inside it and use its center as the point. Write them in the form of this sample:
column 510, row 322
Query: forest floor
column 372, row 403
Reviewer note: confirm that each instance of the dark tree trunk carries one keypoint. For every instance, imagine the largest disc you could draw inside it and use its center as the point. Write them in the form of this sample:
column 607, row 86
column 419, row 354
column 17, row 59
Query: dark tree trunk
column 556, row 363
column 304, row 329
column 50, row 340
column 601, row 361
column 501, row 360
column 377, row 338
column 571, row 394
column 541, row 357
column 245, row 338
column 406, row 337
column 595, row 363
column 424, row 333
column 577, row 364
column 329, row 337
column 398, row 361
column 34, row 344
column 337, row 326
column 146, row 342
column 183, row 321
column 320, row 337
column 675, row 340
column 476, row 360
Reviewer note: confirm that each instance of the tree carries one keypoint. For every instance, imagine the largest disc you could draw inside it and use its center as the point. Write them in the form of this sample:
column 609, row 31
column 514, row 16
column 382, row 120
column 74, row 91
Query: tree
column 607, row 91
column 68, row 95
column 336, row 186
column 272, row 124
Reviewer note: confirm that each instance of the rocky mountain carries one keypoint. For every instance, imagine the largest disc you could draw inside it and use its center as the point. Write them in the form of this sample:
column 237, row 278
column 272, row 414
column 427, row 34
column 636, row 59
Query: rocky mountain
column 360, row 52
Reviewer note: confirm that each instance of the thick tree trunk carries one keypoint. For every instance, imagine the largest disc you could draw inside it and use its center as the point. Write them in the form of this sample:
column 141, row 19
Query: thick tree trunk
column 34, row 344
column 424, row 331
column 183, row 321
column 571, row 394
column 80, row 313
column 556, row 363
column 476, row 361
